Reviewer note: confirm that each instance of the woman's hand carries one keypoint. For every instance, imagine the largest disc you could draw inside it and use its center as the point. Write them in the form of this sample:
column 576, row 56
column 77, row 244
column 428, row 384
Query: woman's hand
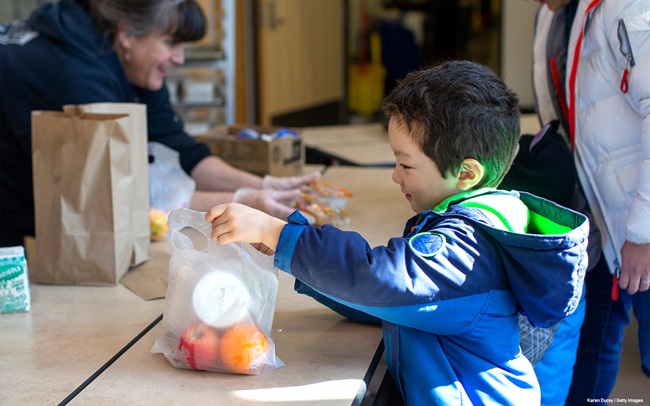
column 277, row 203
column 289, row 182
column 635, row 269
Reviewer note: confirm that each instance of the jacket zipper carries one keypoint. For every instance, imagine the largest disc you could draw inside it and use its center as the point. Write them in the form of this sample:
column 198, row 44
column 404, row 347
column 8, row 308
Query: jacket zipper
column 626, row 50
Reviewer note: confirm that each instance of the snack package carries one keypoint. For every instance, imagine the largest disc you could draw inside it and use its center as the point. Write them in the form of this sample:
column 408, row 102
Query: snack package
column 14, row 282
column 326, row 202
column 220, row 302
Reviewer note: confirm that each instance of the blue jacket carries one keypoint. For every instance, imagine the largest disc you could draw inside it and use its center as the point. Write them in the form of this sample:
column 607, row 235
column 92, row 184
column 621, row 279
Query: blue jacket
column 58, row 57
column 449, row 290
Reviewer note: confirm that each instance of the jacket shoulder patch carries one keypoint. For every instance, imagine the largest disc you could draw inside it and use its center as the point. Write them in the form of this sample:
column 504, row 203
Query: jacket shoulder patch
column 427, row 244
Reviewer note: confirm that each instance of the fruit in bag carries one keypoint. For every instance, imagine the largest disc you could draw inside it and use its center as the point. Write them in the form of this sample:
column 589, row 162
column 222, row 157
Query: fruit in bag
column 202, row 345
column 240, row 346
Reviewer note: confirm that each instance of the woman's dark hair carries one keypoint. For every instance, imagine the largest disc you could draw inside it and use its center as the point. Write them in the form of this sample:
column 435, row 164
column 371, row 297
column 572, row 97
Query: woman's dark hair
column 459, row 110
column 184, row 20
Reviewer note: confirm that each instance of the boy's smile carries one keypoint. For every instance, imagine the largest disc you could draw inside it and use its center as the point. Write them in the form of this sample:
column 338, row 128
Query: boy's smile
column 418, row 176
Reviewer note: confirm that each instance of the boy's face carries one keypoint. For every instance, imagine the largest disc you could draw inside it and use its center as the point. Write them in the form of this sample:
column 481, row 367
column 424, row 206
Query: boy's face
column 418, row 176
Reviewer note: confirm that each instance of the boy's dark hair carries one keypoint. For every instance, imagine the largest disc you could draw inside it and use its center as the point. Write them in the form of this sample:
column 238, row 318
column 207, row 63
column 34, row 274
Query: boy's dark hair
column 459, row 110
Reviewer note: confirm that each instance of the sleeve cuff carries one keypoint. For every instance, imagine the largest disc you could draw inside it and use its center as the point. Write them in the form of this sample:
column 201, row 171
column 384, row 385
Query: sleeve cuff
column 288, row 240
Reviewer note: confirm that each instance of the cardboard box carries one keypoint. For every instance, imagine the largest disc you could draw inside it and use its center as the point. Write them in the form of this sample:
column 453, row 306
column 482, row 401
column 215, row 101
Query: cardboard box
column 279, row 157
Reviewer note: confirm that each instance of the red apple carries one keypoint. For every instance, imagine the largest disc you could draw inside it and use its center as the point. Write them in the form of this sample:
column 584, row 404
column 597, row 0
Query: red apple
column 202, row 345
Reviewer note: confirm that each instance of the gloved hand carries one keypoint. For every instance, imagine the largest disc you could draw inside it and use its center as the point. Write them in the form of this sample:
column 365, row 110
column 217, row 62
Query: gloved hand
column 277, row 203
column 289, row 182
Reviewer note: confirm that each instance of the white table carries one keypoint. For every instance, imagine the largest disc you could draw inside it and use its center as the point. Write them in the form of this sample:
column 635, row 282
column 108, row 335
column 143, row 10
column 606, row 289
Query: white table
column 72, row 335
column 363, row 144
column 326, row 360
column 326, row 356
column 68, row 334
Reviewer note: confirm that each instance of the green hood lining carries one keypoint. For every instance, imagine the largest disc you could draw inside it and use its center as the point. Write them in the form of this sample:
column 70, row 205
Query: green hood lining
column 506, row 211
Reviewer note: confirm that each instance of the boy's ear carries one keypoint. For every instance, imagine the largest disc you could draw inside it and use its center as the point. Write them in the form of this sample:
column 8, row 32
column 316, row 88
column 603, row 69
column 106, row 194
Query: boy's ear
column 470, row 175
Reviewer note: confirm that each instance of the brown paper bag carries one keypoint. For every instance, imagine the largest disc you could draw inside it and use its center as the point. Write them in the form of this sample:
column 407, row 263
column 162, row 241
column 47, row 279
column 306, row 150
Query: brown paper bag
column 91, row 193
column 140, row 162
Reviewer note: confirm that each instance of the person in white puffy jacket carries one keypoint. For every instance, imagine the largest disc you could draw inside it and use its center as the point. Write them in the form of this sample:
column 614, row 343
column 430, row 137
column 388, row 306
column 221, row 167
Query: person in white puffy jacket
column 605, row 99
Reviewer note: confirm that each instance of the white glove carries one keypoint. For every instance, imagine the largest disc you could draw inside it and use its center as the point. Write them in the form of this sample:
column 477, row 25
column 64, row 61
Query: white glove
column 289, row 182
column 277, row 203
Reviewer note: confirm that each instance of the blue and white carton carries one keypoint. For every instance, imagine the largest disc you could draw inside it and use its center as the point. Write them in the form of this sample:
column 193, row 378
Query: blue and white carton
column 14, row 281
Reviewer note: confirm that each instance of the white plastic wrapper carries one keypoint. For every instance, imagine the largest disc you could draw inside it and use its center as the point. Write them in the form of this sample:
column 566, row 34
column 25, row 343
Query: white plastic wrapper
column 169, row 186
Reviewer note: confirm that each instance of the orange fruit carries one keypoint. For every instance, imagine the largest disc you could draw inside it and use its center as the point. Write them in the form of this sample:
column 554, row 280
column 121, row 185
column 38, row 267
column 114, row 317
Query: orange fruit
column 202, row 345
column 158, row 224
column 240, row 346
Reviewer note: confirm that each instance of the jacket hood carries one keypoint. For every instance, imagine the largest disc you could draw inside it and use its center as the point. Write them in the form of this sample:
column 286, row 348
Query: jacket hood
column 543, row 248
column 66, row 24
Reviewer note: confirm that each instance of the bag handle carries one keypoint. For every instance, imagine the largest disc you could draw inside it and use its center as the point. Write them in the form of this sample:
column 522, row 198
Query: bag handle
column 186, row 219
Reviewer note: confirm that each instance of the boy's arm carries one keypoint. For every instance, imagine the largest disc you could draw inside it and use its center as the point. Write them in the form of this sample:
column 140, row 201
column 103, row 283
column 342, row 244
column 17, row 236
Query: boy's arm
column 443, row 293
column 233, row 222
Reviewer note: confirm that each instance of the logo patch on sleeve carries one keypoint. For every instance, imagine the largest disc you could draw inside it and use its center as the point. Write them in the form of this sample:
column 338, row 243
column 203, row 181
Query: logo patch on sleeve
column 427, row 244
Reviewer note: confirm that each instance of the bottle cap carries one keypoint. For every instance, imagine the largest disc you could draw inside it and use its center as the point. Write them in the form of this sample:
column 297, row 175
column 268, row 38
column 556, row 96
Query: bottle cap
column 220, row 299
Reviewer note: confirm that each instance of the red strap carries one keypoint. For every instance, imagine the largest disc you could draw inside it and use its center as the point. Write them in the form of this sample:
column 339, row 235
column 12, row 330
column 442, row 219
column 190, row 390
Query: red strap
column 574, row 72
column 559, row 90
column 624, row 81
column 615, row 288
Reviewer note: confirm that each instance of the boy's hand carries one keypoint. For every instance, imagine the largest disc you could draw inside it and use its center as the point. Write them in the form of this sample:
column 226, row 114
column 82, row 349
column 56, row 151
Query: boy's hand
column 232, row 222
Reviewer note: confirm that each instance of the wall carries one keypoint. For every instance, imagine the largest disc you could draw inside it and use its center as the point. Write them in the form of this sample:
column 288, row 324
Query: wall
column 517, row 26
column 17, row 9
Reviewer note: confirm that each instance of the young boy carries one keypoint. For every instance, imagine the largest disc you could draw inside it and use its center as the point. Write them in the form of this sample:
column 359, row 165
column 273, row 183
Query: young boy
column 449, row 290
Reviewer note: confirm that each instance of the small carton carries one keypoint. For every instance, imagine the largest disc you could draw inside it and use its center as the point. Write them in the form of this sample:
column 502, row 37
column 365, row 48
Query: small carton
column 276, row 156
column 14, row 282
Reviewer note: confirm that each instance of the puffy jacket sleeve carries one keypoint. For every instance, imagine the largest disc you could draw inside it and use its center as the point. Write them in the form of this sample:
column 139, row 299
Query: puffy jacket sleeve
column 638, row 30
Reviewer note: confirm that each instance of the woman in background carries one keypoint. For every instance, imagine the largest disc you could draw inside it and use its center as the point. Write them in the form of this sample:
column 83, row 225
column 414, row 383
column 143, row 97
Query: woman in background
column 87, row 51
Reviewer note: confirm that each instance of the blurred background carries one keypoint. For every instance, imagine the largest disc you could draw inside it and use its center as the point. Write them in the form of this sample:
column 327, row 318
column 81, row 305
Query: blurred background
column 324, row 62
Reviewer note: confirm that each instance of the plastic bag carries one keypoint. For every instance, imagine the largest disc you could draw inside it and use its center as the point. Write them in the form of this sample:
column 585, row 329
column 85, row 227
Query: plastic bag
column 220, row 302
column 169, row 186
column 326, row 202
